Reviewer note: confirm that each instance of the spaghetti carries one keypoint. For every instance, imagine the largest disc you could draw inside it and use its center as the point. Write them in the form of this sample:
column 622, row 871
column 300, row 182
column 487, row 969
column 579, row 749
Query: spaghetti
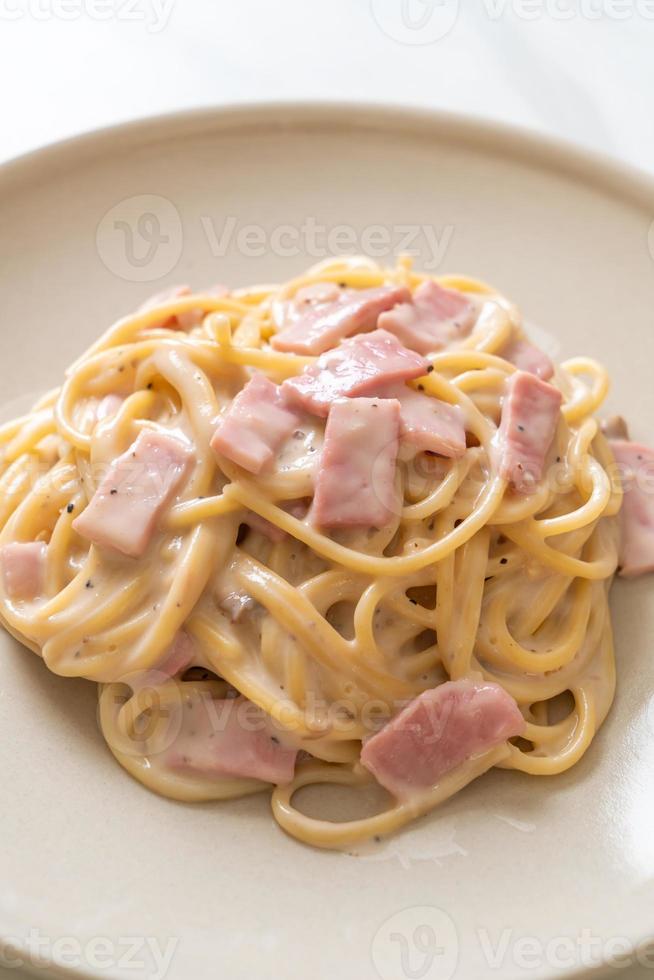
column 323, row 633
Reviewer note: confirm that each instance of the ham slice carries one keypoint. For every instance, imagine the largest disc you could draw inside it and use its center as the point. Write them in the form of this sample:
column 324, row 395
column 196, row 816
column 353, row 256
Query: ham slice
column 360, row 366
column 267, row 528
column 179, row 657
column 230, row 737
column 530, row 414
column 23, row 568
column 438, row 731
column 320, row 317
column 636, row 465
column 526, row 357
column 124, row 511
column 182, row 321
column 255, row 425
column 355, row 486
column 429, row 424
column 435, row 318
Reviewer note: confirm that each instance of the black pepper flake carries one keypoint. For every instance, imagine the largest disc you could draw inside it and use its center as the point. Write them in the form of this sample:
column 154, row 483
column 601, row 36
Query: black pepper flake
column 458, row 521
column 430, row 368
column 558, row 459
column 414, row 602
column 521, row 428
column 421, row 387
column 503, row 561
column 273, row 738
column 149, row 386
column 70, row 508
column 342, row 285
column 377, row 839
column 113, row 491
column 89, row 584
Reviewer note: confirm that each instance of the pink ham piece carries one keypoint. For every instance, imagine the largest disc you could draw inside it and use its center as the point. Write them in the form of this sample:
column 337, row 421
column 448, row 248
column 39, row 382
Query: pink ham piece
column 360, row 366
column 23, row 568
column 125, row 509
column 355, row 486
column 530, row 414
column 636, row 466
column 179, row 657
column 438, row 731
column 526, row 357
column 320, row 320
column 429, row 424
column 436, row 317
column 255, row 425
column 267, row 528
column 231, row 737
column 182, row 321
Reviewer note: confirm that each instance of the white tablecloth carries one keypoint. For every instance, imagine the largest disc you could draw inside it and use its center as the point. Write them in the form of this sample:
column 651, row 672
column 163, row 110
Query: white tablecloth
column 580, row 69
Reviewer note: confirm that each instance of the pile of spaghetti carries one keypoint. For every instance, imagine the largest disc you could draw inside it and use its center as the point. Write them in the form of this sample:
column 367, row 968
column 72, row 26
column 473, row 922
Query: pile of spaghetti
column 188, row 522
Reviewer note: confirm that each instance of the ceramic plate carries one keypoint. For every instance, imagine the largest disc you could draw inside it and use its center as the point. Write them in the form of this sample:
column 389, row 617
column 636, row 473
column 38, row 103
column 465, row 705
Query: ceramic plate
column 516, row 876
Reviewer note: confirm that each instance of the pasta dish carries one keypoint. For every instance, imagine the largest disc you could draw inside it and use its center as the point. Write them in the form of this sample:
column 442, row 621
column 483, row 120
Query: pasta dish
column 355, row 529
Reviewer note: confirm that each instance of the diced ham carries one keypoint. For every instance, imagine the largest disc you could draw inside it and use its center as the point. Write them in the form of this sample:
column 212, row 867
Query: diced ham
column 296, row 508
column 124, row 511
column 230, row 737
column 428, row 424
column 636, row 465
column 179, row 657
column 355, row 486
column 320, row 318
column 530, row 414
column 255, row 425
column 267, row 528
column 359, row 366
column 435, row 318
column 438, row 731
column 182, row 321
column 23, row 568
column 108, row 406
column 526, row 357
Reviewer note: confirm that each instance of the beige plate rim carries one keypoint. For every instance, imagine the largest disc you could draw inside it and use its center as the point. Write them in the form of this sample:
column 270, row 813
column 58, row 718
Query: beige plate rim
column 496, row 138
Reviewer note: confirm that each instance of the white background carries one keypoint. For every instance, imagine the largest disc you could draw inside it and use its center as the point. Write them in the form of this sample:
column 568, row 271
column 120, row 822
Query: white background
column 579, row 69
